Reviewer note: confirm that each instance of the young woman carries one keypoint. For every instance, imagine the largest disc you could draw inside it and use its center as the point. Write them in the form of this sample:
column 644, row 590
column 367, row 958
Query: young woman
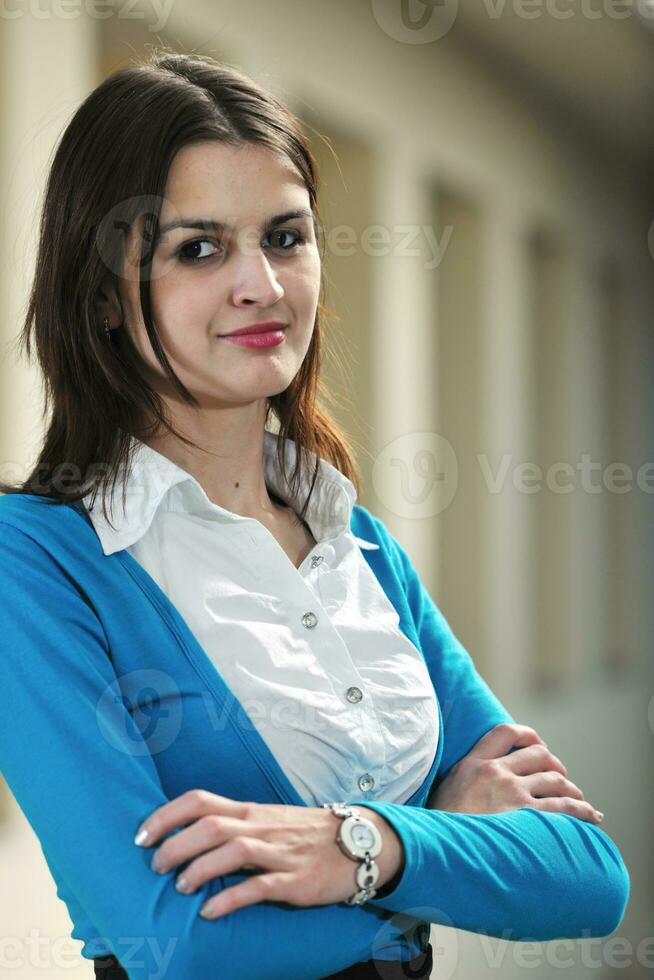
column 189, row 543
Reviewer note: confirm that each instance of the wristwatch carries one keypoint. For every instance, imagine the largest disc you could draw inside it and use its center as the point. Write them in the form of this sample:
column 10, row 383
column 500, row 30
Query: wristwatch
column 360, row 840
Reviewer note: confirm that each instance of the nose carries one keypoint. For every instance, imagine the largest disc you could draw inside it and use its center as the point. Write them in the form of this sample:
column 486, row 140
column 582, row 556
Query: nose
column 255, row 281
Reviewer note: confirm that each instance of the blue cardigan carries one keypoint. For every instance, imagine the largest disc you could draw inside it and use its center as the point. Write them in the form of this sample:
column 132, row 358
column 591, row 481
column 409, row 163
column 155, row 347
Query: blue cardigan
column 109, row 708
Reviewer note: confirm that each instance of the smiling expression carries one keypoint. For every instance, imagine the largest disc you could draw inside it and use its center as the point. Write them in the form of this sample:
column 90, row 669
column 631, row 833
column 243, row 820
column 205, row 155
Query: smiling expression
column 251, row 255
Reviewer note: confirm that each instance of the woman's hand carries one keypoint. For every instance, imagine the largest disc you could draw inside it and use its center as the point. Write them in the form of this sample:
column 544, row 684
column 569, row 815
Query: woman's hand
column 293, row 848
column 487, row 780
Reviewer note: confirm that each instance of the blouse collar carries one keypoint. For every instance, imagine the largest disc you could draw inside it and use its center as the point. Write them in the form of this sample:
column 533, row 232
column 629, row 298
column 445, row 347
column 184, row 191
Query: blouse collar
column 156, row 482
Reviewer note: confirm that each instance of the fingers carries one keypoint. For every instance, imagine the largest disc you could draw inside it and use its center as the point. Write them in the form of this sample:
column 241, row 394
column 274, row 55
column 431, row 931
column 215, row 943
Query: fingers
column 203, row 835
column 238, row 854
column 548, row 784
column 565, row 804
column 501, row 739
column 259, row 888
column 534, row 758
column 185, row 809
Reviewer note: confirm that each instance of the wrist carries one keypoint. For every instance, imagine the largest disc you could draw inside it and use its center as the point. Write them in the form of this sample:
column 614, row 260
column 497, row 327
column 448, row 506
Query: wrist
column 391, row 860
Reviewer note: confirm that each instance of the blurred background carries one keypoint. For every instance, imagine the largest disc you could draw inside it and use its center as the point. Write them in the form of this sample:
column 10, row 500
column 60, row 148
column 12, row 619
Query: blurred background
column 488, row 198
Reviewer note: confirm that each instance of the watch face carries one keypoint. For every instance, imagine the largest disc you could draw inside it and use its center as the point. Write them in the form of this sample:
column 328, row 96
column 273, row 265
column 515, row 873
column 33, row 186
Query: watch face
column 362, row 836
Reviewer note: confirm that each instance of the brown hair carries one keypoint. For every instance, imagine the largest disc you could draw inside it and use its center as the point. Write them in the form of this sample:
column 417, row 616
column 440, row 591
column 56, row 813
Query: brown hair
column 116, row 152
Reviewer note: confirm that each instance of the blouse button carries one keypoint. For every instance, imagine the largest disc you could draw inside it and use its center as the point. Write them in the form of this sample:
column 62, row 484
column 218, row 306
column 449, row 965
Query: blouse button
column 309, row 620
column 366, row 782
column 315, row 561
column 354, row 694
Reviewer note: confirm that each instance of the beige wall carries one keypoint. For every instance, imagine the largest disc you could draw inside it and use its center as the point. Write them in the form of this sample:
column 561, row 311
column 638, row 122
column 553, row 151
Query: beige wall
column 46, row 68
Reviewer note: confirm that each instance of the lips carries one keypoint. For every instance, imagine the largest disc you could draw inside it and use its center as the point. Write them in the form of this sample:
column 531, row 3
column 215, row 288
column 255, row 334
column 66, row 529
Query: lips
column 266, row 326
column 256, row 340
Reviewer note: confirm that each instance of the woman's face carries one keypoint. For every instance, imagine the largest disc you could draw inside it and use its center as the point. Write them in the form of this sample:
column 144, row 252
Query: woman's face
column 207, row 282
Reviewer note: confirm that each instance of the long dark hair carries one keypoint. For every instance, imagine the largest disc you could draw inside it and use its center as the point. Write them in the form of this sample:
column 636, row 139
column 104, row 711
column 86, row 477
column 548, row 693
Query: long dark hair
column 116, row 153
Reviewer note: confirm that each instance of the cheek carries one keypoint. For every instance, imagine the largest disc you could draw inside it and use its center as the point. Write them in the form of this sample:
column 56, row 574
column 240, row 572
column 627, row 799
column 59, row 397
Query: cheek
column 184, row 310
column 174, row 319
column 302, row 284
column 176, row 298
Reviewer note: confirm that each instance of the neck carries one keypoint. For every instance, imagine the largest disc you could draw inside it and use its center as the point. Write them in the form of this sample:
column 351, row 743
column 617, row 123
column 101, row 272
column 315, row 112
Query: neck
column 230, row 470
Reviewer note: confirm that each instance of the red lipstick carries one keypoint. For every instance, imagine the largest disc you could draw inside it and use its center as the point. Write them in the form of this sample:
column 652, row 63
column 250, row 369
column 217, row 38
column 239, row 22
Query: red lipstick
column 268, row 333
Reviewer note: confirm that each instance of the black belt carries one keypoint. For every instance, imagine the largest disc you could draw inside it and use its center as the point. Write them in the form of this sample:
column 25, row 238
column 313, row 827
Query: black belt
column 108, row 968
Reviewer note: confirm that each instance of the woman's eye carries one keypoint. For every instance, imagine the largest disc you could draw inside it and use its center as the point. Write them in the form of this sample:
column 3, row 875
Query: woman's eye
column 298, row 239
column 184, row 257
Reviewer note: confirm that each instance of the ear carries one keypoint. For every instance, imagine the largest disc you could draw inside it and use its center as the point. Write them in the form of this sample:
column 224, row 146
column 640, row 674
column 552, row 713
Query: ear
column 106, row 303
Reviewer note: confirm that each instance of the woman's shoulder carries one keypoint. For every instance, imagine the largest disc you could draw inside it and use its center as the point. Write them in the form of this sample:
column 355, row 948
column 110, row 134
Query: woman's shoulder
column 384, row 551
column 45, row 521
column 371, row 532
column 366, row 527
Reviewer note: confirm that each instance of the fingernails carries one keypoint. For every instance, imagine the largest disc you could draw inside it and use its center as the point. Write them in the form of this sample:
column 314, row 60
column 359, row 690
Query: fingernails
column 205, row 911
column 599, row 815
column 157, row 864
column 142, row 837
column 183, row 886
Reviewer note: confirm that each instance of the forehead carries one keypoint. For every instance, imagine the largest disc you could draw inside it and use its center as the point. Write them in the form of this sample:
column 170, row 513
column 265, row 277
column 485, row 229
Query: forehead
column 214, row 177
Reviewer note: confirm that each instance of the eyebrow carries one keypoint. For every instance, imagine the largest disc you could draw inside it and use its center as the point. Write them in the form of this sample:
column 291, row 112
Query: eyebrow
column 208, row 224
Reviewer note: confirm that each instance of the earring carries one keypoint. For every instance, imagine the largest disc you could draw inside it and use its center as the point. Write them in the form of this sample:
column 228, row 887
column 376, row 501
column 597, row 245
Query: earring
column 107, row 331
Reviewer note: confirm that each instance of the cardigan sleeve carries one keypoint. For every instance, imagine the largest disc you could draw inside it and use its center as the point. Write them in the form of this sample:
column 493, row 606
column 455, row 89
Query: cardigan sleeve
column 522, row 875
column 81, row 771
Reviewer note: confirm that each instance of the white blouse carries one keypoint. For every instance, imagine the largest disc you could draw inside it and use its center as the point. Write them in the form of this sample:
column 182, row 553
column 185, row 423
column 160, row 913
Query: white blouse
column 315, row 655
